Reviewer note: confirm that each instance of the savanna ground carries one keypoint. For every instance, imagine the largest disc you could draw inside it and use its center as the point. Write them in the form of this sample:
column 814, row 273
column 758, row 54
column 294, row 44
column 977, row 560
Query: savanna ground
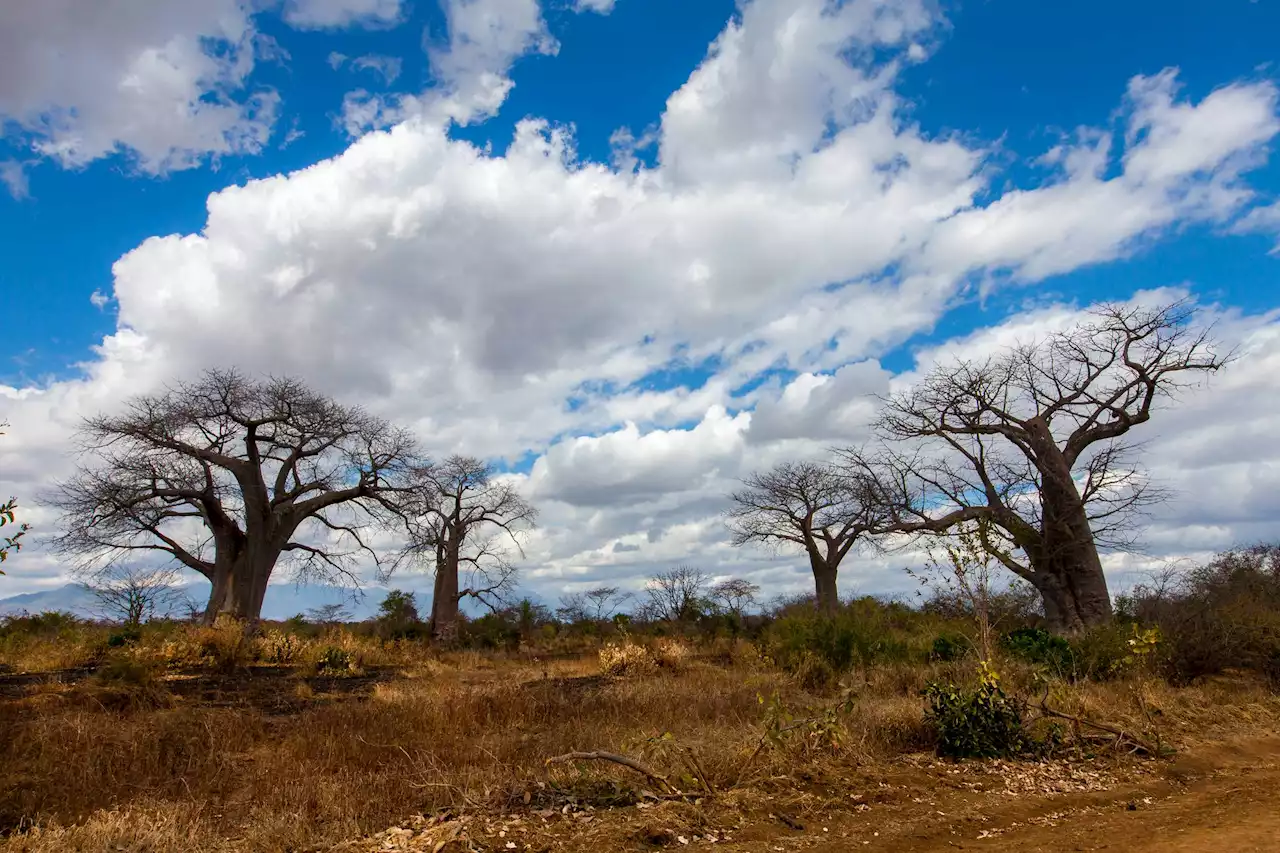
column 189, row 738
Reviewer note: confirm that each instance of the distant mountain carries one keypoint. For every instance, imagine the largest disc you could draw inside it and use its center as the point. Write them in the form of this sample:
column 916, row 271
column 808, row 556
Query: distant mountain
column 283, row 600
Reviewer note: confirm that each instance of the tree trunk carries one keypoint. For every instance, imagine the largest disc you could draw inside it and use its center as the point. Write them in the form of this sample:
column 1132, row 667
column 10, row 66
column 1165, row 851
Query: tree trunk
column 1071, row 581
column 824, row 580
column 219, row 595
column 444, row 599
column 245, row 587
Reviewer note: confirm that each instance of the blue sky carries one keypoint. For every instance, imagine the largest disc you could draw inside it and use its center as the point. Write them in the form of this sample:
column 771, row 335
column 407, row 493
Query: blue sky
column 1000, row 82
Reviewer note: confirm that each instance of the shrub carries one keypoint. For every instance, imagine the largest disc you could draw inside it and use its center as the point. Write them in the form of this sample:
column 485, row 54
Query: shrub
column 491, row 631
column 950, row 647
column 53, row 623
column 335, row 661
column 278, row 647
column 626, row 658
column 980, row 723
column 670, row 653
column 1103, row 652
column 124, row 637
column 858, row 635
column 1036, row 645
column 1220, row 616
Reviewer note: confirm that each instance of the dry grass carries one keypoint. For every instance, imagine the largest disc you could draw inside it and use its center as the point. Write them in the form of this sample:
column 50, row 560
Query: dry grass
column 130, row 761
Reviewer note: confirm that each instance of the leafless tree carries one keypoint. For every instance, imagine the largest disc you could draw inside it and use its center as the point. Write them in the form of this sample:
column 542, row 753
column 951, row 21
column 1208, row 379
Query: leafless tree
column 134, row 594
column 329, row 614
column 594, row 605
column 605, row 601
column 1031, row 440
column 573, row 608
column 464, row 518
column 677, row 595
column 227, row 475
column 736, row 594
column 814, row 506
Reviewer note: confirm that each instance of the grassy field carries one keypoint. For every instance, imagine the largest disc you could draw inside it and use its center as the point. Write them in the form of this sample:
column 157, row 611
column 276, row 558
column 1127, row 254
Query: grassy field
column 196, row 738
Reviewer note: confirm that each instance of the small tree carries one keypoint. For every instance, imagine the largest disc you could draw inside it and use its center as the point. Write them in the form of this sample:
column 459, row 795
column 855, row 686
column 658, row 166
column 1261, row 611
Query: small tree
column 132, row 595
column 960, row 566
column 736, row 594
column 814, row 506
column 329, row 614
column 462, row 517
column 604, row 602
column 398, row 614
column 678, row 595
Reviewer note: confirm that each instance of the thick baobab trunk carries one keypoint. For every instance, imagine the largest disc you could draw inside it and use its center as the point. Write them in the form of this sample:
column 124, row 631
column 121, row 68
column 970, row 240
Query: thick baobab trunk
column 219, row 595
column 824, row 582
column 444, row 600
column 241, row 590
column 1066, row 567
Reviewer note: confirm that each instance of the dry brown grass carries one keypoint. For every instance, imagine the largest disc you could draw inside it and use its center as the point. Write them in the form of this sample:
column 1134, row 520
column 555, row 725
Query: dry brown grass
column 82, row 769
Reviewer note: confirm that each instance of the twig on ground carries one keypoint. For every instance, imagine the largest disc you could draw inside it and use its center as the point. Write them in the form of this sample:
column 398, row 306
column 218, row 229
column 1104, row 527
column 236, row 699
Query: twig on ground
column 623, row 760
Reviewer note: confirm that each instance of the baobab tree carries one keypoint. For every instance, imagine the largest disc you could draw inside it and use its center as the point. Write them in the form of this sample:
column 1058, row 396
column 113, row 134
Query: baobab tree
column 1029, row 442
column 227, row 476
column 464, row 518
column 813, row 506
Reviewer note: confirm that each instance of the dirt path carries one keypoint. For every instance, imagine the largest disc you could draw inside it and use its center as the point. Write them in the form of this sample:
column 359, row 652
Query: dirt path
column 1220, row 799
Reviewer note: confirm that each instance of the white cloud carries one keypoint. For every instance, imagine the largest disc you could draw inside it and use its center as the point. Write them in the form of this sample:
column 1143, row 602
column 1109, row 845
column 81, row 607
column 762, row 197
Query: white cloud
column 164, row 81
column 602, row 7
column 1261, row 220
column 388, row 67
column 332, row 14
column 502, row 305
column 471, row 68
column 14, row 176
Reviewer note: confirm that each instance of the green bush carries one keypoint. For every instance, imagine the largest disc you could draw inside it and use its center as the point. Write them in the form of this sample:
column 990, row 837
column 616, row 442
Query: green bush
column 950, row 647
column 491, row 631
column 980, row 723
column 1103, row 652
column 1036, row 645
column 124, row 637
column 857, row 635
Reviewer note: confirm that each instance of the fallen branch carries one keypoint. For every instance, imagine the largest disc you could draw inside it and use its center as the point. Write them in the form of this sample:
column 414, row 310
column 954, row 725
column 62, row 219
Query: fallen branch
column 623, row 760
column 1118, row 734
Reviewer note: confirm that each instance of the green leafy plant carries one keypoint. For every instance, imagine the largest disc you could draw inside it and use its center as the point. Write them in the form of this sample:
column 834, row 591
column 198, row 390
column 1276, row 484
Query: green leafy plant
column 1036, row 645
column 983, row 722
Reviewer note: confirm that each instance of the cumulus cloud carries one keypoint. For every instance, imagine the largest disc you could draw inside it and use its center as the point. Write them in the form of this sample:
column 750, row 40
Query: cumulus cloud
column 164, row 81
column 621, row 324
column 331, row 14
